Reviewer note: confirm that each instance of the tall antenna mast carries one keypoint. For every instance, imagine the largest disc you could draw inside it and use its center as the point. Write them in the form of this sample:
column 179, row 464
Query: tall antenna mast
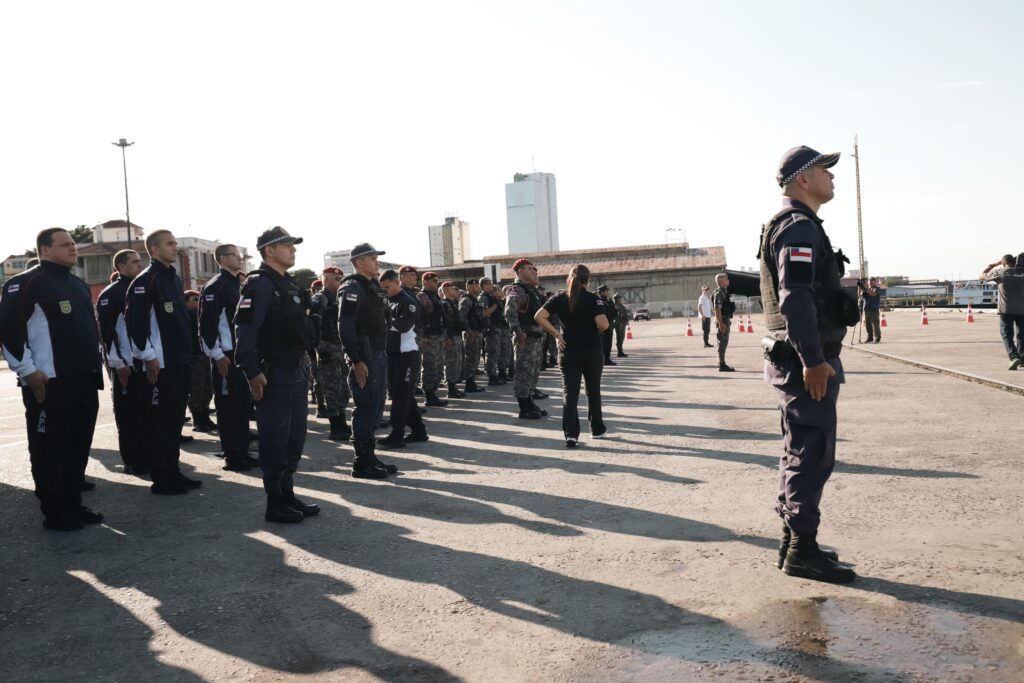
column 860, row 223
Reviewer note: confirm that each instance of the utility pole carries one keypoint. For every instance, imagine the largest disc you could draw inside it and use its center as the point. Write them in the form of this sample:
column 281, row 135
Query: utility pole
column 860, row 224
column 124, row 144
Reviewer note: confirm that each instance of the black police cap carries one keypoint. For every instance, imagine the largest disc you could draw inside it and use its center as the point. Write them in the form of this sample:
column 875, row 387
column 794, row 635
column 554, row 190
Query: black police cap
column 799, row 159
column 364, row 249
column 276, row 235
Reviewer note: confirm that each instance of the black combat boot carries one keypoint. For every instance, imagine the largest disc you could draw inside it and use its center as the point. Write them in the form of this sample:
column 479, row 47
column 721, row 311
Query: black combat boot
column 805, row 560
column 238, row 462
column 278, row 509
column 203, row 424
column 543, row 413
column 784, row 547
column 722, row 367
column 434, row 400
column 392, row 440
column 340, row 431
column 372, row 447
column 537, row 394
column 363, row 466
column 288, row 493
column 321, row 410
column 418, row 436
column 502, row 377
column 418, row 391
column 493, row 381
column 527, row 411
column 453, row 391
column 472, row 387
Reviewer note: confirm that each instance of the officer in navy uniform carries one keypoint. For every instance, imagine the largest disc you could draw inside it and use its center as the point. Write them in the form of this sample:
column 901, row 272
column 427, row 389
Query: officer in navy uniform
column 363, row 325
column 161, row 337
column 217, row 336
column 806, row 313
column 126, row 385
column 273, row 330
column 403, row 363
column 51, row 342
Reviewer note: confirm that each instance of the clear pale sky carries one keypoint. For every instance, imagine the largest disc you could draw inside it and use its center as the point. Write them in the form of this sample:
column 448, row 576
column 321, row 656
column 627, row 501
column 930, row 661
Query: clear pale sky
column 354, row 121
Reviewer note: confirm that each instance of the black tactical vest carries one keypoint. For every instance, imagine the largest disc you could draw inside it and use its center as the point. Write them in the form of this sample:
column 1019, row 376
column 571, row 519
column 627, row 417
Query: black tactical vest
column 836, row 306
column 432, row 316
column 534, row 304
column 286, row 333
column 372, row 314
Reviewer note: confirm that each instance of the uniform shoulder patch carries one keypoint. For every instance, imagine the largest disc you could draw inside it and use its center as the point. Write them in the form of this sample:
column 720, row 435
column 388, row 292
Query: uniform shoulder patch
column 804, row 254
column 245, row 302
column 139, row 290
column 412, row 308
column 13, row 288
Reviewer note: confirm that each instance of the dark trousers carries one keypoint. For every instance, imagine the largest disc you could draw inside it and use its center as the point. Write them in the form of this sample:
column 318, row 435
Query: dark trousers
column 723, row 344
column 233, row 400
column 129, row 409
column 59, row 437
column 369, row 399
column 164, row 404
column 200, row 387
column 809, row 445
column 403, row 369
column 620, row 335
column 588, row 365
column 281, row 419
column 1007, row 323
column 606, row 339
column 872, row 325
column 705, row 326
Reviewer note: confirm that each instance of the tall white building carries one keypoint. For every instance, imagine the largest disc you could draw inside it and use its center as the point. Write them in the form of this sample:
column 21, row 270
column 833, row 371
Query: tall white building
column 449, row 242
column 532, row 211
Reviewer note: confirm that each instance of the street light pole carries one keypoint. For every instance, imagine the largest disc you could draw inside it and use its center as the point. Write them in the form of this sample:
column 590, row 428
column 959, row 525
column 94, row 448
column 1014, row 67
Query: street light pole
column 124, row 144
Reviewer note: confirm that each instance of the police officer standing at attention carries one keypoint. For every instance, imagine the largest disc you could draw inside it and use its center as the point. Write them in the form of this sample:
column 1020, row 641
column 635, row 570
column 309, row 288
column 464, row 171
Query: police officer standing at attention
column 521, row 307
column 496, row 326
column 161, row 336
column 609, row 310
column 724, row 308
column 200, row 383
column 506, row 361
column 274, row 330
column 621, row 322
column 231, row 395
column 476, row 326
column 51, row 341
column 331, row 370
column 363, row 324
column 126, row 384
column 403, row 363
column 807, row 313
column 454, row 346
column 431, row 308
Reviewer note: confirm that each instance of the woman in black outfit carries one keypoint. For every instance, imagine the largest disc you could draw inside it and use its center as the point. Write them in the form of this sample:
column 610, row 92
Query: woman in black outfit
column 581, row 316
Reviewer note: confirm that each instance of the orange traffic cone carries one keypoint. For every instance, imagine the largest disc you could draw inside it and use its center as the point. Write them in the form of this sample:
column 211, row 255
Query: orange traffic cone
column 742, row 328
column 750, row 325
column 883, row 321
column 970, row 313
column 629, row 332
column 924, row 315
column 689, row 328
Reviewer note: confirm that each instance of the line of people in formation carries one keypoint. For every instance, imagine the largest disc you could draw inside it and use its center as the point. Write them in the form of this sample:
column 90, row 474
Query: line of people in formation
column 258, row 344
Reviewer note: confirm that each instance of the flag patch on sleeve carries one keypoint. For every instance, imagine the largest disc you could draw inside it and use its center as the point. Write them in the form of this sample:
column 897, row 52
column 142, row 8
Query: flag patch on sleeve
column 800, row 254
column 245, row 303
column 140, row 290
column 13, row 288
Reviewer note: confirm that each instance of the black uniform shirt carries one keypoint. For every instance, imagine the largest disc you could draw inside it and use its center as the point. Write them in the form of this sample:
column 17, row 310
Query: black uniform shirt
column 404, row 314
column 271, row 324
column 47, row 323
column 325, row 310
column 217, row 307
column 362, row 318
column 110, row 314
column 578, row 326
column 158, row 324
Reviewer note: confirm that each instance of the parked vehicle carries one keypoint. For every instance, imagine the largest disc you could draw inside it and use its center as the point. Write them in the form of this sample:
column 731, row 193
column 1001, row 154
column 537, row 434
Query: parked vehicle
column 641, row 314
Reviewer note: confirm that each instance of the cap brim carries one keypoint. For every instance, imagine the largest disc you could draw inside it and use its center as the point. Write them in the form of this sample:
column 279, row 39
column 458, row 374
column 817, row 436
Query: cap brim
column 828, row 160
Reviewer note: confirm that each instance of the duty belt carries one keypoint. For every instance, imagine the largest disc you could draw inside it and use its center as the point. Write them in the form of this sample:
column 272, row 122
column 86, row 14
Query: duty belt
column 781, row 352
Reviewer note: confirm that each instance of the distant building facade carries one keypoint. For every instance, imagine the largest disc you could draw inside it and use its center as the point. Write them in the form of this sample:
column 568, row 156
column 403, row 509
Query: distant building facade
column 531, row 210
column 449, row 242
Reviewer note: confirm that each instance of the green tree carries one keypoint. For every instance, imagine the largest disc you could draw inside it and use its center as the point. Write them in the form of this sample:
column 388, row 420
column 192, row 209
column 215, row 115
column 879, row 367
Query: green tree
column 82, row 234
column 303, row 276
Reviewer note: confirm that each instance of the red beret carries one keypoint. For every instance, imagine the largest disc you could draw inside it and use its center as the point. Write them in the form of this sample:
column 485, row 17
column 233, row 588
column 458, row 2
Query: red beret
column 430, row 275
column 334, row 270
column 447, row 283
column 407, row 269
column 520, row 263
column 191, row 292
column 316, row 282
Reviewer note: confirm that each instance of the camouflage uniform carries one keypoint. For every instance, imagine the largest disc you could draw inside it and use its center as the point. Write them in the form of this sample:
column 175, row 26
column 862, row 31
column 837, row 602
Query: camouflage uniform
column 454, row 357
column 469, row 310
column 621, row 322
column 492, row 338
column 433, row 339
column 331, row 369
column 522, row 303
